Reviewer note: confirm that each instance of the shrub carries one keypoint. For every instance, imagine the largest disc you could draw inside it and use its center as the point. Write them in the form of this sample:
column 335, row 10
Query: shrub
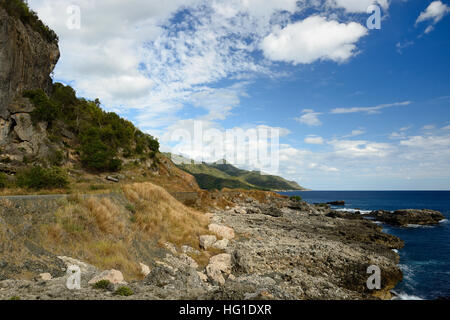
column 3, row 180
column 19, row 9
column 97, row 155
column 296, row 198
column 102, row 284
column 15, row 298
column 124, row 291
column 42, row 178
column 45, row 109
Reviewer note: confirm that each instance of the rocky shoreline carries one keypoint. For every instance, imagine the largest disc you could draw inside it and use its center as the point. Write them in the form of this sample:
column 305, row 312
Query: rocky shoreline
column 270, row 248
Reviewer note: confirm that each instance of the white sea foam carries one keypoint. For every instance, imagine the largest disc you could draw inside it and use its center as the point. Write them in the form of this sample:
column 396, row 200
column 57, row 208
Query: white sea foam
column 363, row 212
column 395, row 250
column 444, row 221
column 404, row 296
column 418, row 226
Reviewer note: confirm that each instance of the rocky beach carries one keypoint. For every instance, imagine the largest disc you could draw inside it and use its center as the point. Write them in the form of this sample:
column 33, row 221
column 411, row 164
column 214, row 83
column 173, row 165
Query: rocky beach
column 265, row 248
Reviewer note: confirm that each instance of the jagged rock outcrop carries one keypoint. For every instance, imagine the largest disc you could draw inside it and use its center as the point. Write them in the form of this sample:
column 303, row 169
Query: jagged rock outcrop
column 26, row 61
column 408, row 217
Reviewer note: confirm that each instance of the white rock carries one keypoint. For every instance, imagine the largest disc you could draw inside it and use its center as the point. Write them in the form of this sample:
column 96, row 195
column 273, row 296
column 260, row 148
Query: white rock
column 207, row 241
column 240, row 210
column 221, row 262
column 215, row 275
column 222, row 231
column 202, row 276
column 145, row 270
column 45, row 276
column 113, row 276
column 221, row 244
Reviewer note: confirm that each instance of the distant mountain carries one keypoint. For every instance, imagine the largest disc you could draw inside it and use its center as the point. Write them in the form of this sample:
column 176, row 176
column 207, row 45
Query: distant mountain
column 221, row 175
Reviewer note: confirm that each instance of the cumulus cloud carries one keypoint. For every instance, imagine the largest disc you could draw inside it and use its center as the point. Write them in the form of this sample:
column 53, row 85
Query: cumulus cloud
column 310, row 118
column 360, row 148
column 314, row 140
column 370, row 110
column 433, row 13
column 357, row 5
column 314, row 38
column 355, row 133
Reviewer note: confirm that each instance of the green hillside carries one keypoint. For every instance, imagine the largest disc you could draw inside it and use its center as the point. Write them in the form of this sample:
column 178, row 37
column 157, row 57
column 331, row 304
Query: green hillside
column 221, row 175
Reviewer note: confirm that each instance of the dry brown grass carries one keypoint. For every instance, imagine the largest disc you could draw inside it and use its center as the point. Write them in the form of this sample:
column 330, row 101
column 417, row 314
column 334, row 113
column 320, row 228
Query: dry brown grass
column 107, row 215
column 162, row 216
column 6, row 203
column 93, row 230
column 102, row 231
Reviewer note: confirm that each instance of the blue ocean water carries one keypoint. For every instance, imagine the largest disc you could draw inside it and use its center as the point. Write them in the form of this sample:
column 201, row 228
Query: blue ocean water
column 425, row 260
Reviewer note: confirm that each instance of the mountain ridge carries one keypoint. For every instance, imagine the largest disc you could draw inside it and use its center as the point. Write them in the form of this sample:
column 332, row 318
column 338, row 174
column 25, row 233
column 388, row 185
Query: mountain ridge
column 220, row 174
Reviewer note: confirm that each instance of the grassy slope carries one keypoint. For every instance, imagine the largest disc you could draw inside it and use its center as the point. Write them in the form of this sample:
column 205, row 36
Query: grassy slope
column 219, row 176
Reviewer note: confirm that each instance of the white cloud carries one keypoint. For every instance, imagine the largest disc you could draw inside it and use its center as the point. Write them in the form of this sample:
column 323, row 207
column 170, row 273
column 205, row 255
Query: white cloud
column 434, row 13
column 360, row 148
column 357, row 5
column 314, row 38
column 314, row 140
column 355, row 133
column 370, row 110
column 310, row 118
column 428, row 142
column 321, row 167
column 429, row 127
column 446, row 127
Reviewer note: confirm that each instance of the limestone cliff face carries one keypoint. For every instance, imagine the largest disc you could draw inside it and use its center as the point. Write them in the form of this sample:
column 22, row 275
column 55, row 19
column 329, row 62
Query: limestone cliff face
column 26, row 62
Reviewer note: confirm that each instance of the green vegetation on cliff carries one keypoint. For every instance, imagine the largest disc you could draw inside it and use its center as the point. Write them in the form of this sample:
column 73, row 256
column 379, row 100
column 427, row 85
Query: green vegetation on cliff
column 19, row 9
column 221, row 175
column 102, row 137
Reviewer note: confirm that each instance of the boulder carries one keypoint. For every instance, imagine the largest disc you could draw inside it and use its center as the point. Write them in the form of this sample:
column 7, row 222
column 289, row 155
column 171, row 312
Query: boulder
column 207, row 241
column 45, row 276
column 222, row 262
column 222, row 231
column 145, row 270
column 112, row 179
column 202, row 276
column 113, row 276
column 240, row 210
column 215, row 275
column 221, row 244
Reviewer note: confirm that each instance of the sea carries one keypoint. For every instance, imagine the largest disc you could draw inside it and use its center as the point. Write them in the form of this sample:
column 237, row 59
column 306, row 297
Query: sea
column 425, row 259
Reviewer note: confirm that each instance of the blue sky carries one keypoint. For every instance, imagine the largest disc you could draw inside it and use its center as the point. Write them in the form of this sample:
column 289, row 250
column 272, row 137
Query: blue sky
column 356, row 109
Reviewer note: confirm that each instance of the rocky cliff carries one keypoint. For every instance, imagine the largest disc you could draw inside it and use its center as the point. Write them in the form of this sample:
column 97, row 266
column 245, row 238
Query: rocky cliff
column 27, row 59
